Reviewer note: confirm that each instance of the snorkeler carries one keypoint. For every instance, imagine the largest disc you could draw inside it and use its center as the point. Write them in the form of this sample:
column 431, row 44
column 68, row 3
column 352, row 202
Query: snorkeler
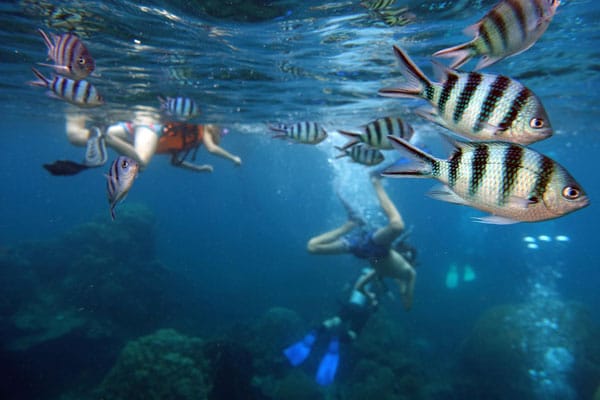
column 340, row 329
column 140, row 139
column 376, row 246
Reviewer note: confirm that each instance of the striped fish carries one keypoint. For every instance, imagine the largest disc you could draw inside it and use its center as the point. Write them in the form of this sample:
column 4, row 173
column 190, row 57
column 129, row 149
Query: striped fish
column 396, row 16
column 377, row 4
column 95, row 150
column 71, row 57
column 81, row 93
column 119, row 180
column 375, row 133
column 510, row 181
column 510, row 28
column 362, row 154
column 474, row 105
column 182, row 108
column 301, row 132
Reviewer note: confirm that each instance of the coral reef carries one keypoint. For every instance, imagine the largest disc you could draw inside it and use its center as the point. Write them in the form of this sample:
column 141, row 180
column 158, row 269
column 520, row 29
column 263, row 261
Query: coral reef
column 164, row 365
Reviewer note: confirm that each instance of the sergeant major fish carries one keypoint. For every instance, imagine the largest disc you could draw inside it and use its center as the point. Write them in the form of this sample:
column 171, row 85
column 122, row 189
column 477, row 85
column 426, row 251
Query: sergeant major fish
column 375, row 133
column 474, row 105
column 71, row 57
column 302, row 132
column 81, row 93
column 377, row 4
column 510, row 181
column 362, row 154
column 510, row 28
column 182, row 108
column 119, row 180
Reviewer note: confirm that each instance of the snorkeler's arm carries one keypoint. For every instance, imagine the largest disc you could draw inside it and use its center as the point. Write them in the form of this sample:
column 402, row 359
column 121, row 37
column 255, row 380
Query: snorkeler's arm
column 361, row 285
column 213, row 148
column 194, row 167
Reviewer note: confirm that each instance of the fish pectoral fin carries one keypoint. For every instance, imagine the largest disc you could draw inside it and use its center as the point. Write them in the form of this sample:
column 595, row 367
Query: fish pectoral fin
column 486, row 61
column 61, row 69
column 444, row 193
column 495, row 220
column 521, row 202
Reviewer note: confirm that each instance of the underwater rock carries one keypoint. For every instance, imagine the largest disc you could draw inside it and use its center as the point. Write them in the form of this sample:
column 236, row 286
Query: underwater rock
column 545, row 356
column 297, row 385
column 164, row 365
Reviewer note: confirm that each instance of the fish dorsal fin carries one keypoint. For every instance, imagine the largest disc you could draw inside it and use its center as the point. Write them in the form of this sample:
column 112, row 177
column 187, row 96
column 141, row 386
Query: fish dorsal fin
column 473, row 30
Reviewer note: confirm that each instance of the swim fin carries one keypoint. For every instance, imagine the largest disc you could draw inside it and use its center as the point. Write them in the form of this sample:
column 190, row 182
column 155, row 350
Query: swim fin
column 299, row 351
column 329, row 363
column 65, row 167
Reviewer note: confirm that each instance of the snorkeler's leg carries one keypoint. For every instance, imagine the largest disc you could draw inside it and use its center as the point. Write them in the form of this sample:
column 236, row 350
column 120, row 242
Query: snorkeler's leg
column 387, row 234
column 407, row 287
column 330, row 242
column 361, row 285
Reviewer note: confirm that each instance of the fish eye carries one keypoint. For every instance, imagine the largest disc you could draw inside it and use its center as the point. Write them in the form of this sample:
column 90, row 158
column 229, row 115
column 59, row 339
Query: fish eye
column 81, row 61
column 571, row 193
column 537, row 123
column 125, row 164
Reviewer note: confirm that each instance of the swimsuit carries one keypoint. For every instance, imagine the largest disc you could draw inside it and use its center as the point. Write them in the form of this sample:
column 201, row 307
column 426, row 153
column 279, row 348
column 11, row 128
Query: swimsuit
column 362, row 246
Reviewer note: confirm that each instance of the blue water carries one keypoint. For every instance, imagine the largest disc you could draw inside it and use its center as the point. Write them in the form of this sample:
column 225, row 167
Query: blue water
column 235, row 240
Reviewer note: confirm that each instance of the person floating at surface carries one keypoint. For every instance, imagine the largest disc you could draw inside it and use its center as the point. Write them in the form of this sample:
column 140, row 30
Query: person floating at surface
column 341, row 328
column 140, row 139
column 374, row 245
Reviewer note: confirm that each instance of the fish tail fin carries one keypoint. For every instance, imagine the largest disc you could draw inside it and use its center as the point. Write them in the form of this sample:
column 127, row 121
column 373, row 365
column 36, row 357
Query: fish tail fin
column 416, row 83
column 163, row 102
column 47, row 40
column 461, row 54
column 342, row 154
column 420, row 165
column 112, row 212
column 355, row 138
column 41, row 81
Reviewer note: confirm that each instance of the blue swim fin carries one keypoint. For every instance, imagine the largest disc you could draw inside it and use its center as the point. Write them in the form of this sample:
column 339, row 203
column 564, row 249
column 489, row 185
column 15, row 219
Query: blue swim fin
column 298, row 352
column 329, row 364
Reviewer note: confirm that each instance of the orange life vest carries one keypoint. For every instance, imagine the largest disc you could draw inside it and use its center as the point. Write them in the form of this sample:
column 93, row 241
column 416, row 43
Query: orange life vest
column 179, row 137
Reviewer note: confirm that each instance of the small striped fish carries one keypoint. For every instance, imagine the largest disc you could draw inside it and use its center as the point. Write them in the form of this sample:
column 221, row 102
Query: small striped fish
column 377, row 4
column 375, row 133
column 119, row 180
column 362, row 154
column 508, row 180
column 95, row 150
column 182, row 108
column 71, row 57
column 302, row 132
column 510, row 28
column 474, row 105
column 81, row 93
column 396, row 16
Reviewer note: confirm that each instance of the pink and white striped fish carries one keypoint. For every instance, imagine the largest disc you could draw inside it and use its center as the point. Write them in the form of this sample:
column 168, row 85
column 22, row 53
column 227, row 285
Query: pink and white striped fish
column 510, row 28
column 71, row 57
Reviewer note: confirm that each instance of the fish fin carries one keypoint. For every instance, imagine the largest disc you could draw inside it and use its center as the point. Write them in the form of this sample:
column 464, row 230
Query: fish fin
column 461, row 54
column 444, row 193
column 276, row 128
column 64, row 168
column 354, row 136
column 495, row 220
column 473, row 30
column 486, row 61
column 430, row 114
column 61, row 69
column 343, row 154
column 416, row 81
column 112, row 212
column 95, row 152
column 520, row 202
column 47, row 40
column 279, row 136
column 163, row 102
column 420, row 164
column 42, row 80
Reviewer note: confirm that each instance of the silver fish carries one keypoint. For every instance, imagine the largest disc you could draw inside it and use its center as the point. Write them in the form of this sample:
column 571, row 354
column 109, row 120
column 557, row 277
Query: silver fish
column 474, row 105
column 510, row 28
column 362, row 154
column 375, row 133
column 81, row 93
column 510, row 181
column 71, row 58
column 302, row 132
column 182, row 108
column 121, row 175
